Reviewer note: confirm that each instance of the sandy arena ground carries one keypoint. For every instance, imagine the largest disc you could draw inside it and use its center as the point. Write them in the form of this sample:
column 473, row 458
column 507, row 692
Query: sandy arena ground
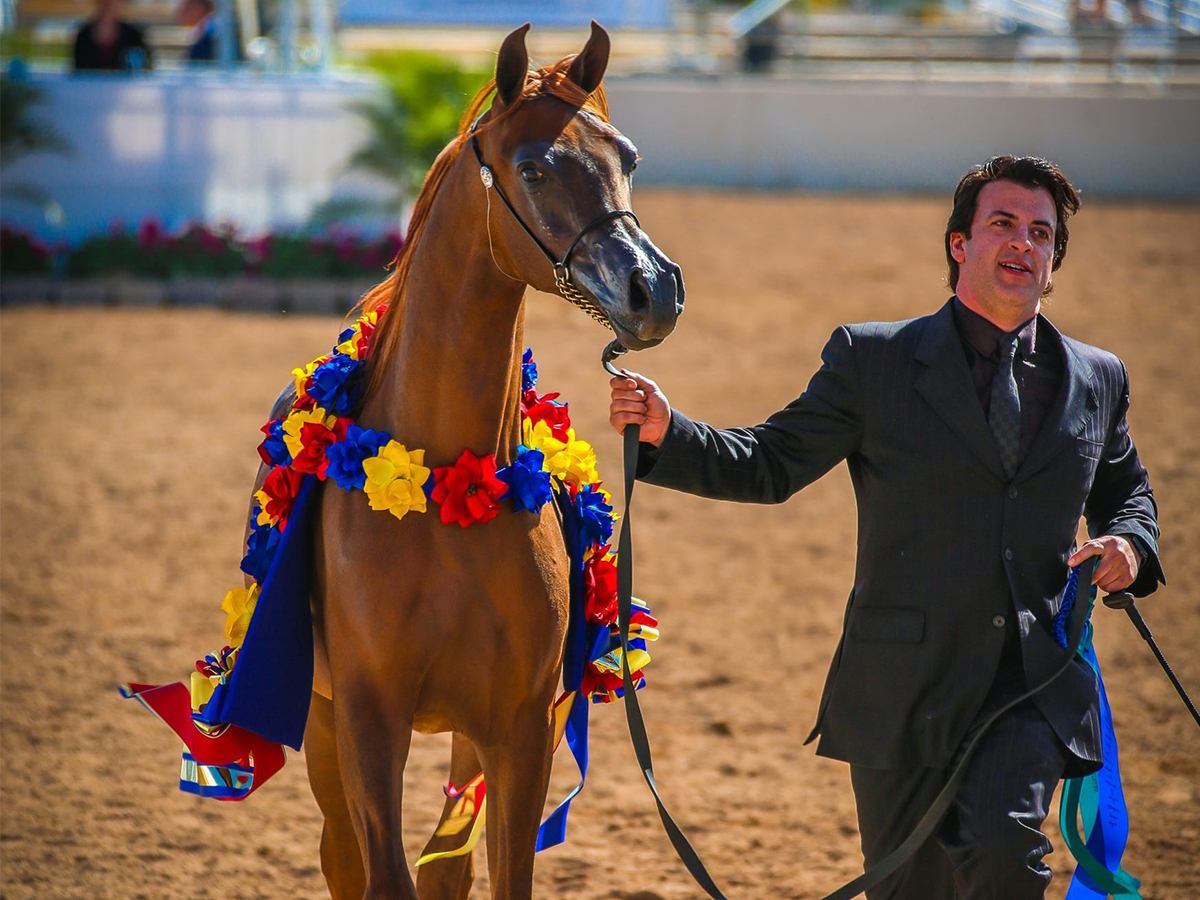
column 128, row 451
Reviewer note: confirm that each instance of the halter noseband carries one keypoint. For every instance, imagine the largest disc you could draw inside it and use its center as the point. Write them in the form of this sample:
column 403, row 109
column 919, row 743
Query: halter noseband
column 562, row 271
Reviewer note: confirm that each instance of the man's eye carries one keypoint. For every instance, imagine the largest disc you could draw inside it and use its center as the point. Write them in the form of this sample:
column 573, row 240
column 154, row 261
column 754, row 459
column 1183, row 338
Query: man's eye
column 530, row 174
column 1041, row 235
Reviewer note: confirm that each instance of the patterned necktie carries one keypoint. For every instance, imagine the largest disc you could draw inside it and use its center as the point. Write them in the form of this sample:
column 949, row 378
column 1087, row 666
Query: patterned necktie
column 1004, row 408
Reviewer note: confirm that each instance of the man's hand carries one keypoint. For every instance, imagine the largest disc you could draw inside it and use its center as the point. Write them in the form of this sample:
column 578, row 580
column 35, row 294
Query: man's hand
column 636, row 400
column 1118, row 564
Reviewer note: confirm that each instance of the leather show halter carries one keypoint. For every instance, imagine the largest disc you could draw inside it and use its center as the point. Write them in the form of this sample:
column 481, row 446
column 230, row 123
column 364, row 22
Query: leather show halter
column 562, row 267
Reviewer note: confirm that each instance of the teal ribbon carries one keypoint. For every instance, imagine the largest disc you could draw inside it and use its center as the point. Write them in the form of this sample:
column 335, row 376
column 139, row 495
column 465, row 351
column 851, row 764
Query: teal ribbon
column 1100, row 800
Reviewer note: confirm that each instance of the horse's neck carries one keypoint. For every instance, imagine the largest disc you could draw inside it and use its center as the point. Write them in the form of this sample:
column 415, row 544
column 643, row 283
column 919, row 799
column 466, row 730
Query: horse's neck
column 456, row 379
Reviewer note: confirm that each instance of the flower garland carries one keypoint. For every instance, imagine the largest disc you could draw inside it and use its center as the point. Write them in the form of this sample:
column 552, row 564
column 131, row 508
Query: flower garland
column 317, row 437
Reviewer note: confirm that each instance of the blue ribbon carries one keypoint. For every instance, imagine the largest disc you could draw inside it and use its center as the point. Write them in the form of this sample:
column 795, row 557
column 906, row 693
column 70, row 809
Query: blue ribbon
column 576, row 654
column 1099, row 796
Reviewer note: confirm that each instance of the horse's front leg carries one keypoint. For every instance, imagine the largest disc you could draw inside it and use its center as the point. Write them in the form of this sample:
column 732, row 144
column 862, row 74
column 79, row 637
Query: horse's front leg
column 374, row 733
column 517, row 770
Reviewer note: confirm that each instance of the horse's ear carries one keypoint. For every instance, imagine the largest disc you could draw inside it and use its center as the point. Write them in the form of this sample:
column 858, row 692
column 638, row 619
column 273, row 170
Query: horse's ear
column 588, row 67
column 512, row 65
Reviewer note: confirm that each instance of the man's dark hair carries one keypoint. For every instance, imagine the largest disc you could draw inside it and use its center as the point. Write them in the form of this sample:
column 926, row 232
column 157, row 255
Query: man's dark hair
column 1030, row 171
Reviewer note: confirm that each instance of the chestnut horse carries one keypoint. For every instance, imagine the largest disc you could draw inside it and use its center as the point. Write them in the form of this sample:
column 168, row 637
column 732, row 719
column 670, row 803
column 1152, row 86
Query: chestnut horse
column 434, row 628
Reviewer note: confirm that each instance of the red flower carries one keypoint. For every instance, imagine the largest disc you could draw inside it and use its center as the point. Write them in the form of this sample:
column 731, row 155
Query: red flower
column 315, row 437
column 604, row 683
column 365, row 330
column 468, row 491
column 541, row 409
column 600, row 588
column 281, row 487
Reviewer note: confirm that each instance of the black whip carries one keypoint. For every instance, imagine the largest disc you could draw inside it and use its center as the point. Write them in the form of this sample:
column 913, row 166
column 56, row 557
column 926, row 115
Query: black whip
column 1124, row 600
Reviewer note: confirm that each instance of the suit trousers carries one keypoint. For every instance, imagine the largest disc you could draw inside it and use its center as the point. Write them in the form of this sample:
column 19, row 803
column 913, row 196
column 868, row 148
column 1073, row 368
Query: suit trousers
column 990, row 844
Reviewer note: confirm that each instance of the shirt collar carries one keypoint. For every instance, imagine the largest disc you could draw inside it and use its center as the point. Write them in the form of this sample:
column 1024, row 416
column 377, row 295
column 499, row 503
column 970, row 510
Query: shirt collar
column 984, row 335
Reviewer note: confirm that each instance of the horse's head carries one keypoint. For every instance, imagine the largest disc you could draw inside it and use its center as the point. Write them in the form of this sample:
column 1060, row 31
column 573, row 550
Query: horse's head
column 568, row 174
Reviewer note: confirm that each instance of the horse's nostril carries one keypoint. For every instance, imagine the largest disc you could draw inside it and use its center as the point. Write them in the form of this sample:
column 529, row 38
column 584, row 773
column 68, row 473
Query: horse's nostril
column 677, row 274
column 639, row 292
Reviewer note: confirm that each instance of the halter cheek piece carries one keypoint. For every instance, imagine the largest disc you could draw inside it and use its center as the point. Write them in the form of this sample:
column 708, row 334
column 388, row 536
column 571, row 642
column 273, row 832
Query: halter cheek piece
column 562, row 267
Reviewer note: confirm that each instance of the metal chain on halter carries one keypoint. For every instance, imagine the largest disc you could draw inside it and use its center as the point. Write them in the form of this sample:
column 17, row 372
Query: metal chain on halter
column 572, row 294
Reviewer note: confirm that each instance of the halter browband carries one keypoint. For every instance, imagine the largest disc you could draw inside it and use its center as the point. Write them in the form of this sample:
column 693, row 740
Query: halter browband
column 562, row 267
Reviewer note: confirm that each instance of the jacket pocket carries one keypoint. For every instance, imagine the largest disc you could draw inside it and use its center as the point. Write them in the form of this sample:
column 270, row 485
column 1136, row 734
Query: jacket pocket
column 1090, row 449
column 888, row 624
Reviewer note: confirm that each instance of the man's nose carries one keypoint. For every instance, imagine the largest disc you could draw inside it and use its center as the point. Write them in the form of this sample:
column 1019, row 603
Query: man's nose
column 1020, row 239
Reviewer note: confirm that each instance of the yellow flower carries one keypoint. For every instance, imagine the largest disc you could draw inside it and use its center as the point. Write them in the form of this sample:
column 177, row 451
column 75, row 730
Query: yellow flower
column 395, row 476
column 296, row 420
column 572, row 461
column 302, row 375
column 238, row 607
column 264, row 518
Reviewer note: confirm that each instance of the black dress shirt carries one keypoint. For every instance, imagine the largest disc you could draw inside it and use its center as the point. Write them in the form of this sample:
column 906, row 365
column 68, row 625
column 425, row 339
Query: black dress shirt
column 1038, row 369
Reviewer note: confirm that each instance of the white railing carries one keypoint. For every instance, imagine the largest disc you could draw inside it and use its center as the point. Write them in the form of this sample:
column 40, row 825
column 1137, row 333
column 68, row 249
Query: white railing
column 261, row 151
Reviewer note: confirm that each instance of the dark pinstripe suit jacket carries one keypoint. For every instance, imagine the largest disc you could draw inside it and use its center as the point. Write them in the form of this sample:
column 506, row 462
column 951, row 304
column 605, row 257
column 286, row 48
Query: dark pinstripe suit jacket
column 944, row 538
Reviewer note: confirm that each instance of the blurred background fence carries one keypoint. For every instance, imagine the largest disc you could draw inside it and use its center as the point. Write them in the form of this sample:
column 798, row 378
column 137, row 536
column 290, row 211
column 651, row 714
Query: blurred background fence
column 281, row 140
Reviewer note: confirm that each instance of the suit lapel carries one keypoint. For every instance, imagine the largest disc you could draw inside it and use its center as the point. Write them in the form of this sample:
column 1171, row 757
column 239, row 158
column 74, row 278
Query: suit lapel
column 1076, row 404
column 946, row 386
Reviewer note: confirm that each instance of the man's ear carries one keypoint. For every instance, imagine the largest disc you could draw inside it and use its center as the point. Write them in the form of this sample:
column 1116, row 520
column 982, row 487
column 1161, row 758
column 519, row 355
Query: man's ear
column 587, row 69
column 958, row 247
column 512, row 65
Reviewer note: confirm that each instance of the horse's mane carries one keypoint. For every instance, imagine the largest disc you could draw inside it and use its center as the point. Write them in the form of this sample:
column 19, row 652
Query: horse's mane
column 549, row 80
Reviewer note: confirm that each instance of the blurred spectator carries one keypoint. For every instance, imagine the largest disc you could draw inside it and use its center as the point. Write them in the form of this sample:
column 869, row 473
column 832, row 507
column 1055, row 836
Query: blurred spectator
column 106, row 43
column 760, row 46
column 201, row 16
column 198, row 16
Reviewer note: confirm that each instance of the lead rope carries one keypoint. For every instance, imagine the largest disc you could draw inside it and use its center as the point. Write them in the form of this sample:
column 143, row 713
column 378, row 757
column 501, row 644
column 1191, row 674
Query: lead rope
column 641, row 743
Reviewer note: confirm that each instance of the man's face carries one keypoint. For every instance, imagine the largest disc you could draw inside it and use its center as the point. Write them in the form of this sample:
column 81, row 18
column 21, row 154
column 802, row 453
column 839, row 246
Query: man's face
column 1005, row 263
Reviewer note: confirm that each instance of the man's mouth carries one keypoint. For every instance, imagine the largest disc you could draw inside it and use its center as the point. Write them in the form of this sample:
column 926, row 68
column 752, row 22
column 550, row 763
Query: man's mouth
column 1020, row 268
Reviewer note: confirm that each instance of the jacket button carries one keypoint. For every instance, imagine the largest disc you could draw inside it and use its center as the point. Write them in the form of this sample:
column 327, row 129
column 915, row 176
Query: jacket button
column 1012, row 493
column 1008, row 553
column 998, row 621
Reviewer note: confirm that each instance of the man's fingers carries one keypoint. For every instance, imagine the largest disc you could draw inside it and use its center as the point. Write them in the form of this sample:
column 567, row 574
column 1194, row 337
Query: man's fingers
column 637, row 406
column 1106, row 568
column 1088, row 549
column 629, row 395
column 1118, row 582
column 620, row 419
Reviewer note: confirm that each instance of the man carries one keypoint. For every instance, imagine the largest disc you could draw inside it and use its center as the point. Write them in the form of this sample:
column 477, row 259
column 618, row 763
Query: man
column 200, row 16
column 107, row 43
column 975, row 439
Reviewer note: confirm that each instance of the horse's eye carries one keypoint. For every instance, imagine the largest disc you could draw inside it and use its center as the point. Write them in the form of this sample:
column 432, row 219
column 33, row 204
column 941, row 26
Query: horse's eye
column 530, row 175
column 633, row 165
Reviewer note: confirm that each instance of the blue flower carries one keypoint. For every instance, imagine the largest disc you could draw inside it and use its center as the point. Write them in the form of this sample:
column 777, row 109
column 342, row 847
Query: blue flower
column 273, row 450
column 595, row 515
column 334, row 384
column 260, row 548
column 528, row 484
column 344, row 336
column 529, row 373
column 344, row 459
